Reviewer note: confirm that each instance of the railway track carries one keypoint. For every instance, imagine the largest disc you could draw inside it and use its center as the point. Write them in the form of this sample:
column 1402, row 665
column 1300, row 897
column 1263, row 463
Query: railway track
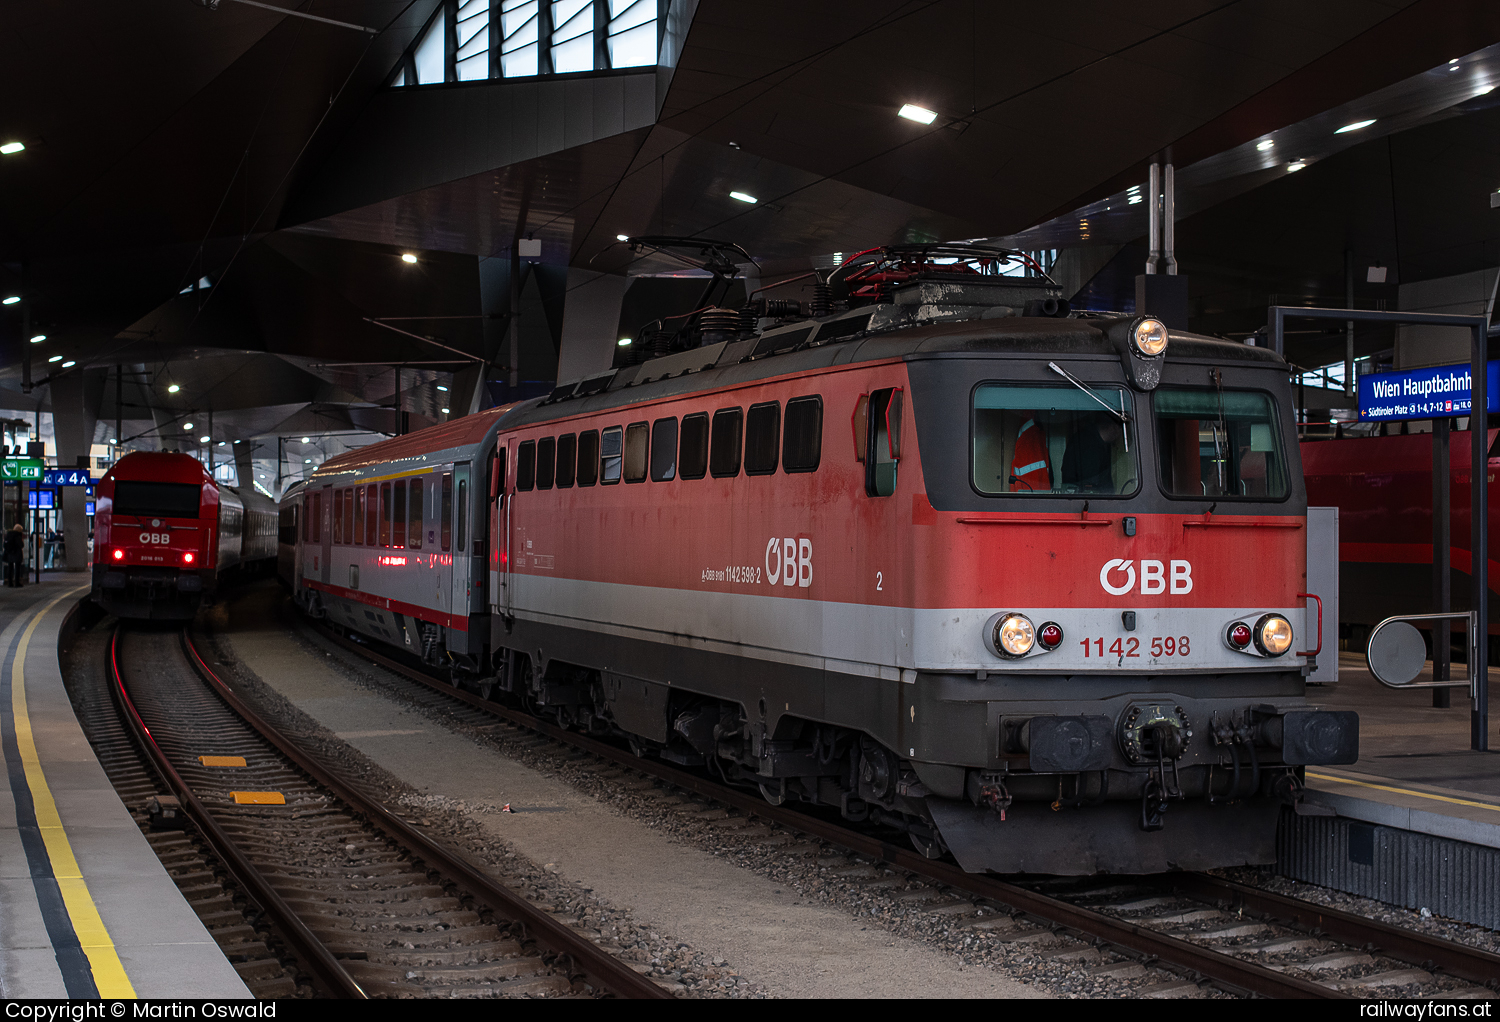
column 1205, row 930
column 367, row 905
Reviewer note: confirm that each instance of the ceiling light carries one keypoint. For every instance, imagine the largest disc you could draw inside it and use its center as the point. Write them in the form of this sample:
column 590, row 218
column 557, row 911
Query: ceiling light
column 13, row 299
column 173, row 389
column 307, row 440
column 203, row 439
column 1295, row 166
column 624, row 342
column 442, row 388
column 917, row 113
column 307, row 461
column 39, row 338
column 407, row 257
column 743, row 197
column 236, row 441
column 113, row 440
column 221, row 443
column 69, row 365
column 445, row 411
column 55, row 358
column 1265, row 144
column 622, row 237
column 187, row 426
column 1355, row 126
column 1134, row 199
column 12, row 147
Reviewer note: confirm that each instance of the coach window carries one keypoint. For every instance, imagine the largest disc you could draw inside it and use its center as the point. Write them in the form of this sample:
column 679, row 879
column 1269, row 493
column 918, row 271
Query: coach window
column 546, row 462
column 610, row 443
column 418, row 518
column 447, row 524
column 762, row 438
column 637, row 441
column 692, row 451
column 359, row 514
column 307, row 519
column 526, row 465
column 1053, row 439
column 385, row 514
column 802, row 440
column 724, row 445
column 338, row 516
column 567, row 455
column 463, row 514
column 1218, row 444
column 663, row 450
column 317, row 518
column 398, row 519
column 372, row 515
column 349, row 516
column 588, row 457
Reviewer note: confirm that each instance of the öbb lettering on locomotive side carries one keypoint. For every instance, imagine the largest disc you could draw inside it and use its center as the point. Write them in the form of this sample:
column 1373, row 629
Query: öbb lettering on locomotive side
column 1022, row 587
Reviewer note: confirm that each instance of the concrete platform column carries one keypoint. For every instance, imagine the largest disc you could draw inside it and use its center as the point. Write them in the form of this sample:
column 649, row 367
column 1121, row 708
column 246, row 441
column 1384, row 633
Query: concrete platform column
column 75, row 411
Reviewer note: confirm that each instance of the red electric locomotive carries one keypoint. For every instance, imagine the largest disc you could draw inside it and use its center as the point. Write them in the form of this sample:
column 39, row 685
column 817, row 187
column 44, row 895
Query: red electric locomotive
column 1024, row 586
column 164, row 533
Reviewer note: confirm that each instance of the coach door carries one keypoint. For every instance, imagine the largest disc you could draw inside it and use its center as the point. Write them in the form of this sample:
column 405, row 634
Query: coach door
column 463, row 543
column 497, row 532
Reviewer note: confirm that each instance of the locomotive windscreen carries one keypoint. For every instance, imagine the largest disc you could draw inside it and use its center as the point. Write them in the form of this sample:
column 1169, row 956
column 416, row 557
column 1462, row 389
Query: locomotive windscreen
column 1219, row 443
column 1053, row 439
column 156, row 500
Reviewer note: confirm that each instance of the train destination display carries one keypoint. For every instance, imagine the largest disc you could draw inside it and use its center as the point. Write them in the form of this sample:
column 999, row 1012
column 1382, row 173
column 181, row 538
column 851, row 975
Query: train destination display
column 1433, row 392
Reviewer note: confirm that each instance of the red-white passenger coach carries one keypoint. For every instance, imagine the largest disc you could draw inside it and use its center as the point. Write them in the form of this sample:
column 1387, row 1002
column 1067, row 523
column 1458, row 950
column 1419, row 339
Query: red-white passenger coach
column 164, row 532
column 1025, row 586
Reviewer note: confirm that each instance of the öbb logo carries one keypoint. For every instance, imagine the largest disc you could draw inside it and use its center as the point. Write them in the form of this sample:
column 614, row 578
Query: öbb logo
column 789, row 561
column 1154, row 577
column 157, row 538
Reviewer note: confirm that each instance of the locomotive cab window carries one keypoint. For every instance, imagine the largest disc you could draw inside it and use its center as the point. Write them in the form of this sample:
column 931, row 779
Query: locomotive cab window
column 157, row 500
column 1219, row 444
column 692, row 456
column 636, row 442
column 881, row 439
column 663, row 450
column 1053, row 439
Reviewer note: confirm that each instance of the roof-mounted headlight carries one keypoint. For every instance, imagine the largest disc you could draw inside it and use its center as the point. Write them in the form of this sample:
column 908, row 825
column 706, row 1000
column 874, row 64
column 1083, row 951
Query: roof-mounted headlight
column 1149, row 337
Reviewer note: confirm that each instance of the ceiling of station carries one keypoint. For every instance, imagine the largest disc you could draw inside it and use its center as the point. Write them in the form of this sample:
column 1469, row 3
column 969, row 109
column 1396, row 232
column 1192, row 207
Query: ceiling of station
column 171, row 144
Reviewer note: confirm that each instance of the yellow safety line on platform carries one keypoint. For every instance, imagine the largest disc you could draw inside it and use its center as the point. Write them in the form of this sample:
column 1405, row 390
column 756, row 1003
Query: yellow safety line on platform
column 1404, row 791
column 109, row 973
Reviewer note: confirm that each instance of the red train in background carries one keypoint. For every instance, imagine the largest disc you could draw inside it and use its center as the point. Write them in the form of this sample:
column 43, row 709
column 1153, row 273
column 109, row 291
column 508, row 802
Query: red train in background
column 165, row 532
column 1382, row 486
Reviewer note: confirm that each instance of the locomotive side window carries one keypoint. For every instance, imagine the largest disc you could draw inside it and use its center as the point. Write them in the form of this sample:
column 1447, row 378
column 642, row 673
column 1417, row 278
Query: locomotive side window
column 1219, row 444
column 802, row 442
column 398, row 519
column 1030, row 439
column 588, row 458
column 663, row 450
column 526, row 465
column 567, row 456
column 372, row 515
column 385, row 514
column 882, row 434
column 546, row 462
column 446, row 535
column 610, row 443
column 359, row 515
column 637, row 439
column 724, row 445
column 418, row 518
column 692, row 455
column 762, row 438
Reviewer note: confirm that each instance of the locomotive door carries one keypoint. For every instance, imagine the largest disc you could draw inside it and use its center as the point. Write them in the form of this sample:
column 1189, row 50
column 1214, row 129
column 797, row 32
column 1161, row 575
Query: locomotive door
column 462, row 587
column 325, row 527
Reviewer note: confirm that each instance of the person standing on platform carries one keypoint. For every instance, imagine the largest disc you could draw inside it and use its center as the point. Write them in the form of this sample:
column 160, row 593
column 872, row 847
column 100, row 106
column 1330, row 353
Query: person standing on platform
column 15, row 556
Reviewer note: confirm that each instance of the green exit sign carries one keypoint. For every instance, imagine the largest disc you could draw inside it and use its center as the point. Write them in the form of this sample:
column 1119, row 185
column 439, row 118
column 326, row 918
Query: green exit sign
column 21, row 468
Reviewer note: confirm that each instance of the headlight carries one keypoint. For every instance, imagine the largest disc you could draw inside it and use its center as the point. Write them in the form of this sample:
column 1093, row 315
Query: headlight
column 1149, row 337
column 1014, row 635
column 1273, row 635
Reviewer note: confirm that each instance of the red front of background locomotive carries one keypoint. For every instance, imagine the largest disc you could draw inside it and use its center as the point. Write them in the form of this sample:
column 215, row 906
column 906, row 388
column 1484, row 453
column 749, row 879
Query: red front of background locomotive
column 186, row 543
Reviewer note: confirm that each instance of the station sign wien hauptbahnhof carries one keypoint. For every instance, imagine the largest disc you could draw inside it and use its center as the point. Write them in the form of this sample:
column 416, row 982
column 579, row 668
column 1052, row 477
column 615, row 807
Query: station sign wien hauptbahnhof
column 1435, row 392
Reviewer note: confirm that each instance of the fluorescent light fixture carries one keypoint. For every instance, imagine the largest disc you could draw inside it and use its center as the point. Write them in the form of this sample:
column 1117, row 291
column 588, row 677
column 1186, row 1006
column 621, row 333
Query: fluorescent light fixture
column 916, row 113
column 1265, row 144
column 307, row 440
column 1134, row 199
column 12, row 147
column 743, row 197
column 1294, row 166
column 442, row 388
column 69, row 365
column 407, row 257
column 624, row 342
column 622, row 237
column 203, row 439
column 55, row 358
column 173, row 389
column 13, row 299
column 39, row 338
column 1355, row 126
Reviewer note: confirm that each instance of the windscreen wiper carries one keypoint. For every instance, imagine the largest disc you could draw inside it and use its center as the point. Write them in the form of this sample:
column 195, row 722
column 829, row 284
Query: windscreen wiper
column 1124, row 419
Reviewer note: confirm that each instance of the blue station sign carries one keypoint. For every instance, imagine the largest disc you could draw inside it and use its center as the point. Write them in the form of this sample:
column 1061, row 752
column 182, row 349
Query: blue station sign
column 67, row 477
column 1436, row 392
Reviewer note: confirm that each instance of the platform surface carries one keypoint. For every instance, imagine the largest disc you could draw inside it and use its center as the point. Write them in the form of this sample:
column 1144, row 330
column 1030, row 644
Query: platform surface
column 86, row 909
column 1416, row 770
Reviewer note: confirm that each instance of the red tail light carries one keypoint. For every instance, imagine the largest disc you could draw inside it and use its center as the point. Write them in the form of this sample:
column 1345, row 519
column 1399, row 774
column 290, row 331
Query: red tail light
column 187, row 558
column 119, row 554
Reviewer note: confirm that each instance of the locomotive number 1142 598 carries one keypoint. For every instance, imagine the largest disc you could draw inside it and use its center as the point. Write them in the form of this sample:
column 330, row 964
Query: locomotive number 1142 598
column 1130, row 646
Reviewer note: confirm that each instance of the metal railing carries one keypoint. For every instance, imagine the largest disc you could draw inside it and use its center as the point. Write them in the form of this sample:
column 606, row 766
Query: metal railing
column 1397, row 650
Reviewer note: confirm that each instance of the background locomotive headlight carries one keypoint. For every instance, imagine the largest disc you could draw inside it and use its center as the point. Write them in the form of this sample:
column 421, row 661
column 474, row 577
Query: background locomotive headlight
column 1273, row 635
column 1149, row 337
column 1014, row 635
